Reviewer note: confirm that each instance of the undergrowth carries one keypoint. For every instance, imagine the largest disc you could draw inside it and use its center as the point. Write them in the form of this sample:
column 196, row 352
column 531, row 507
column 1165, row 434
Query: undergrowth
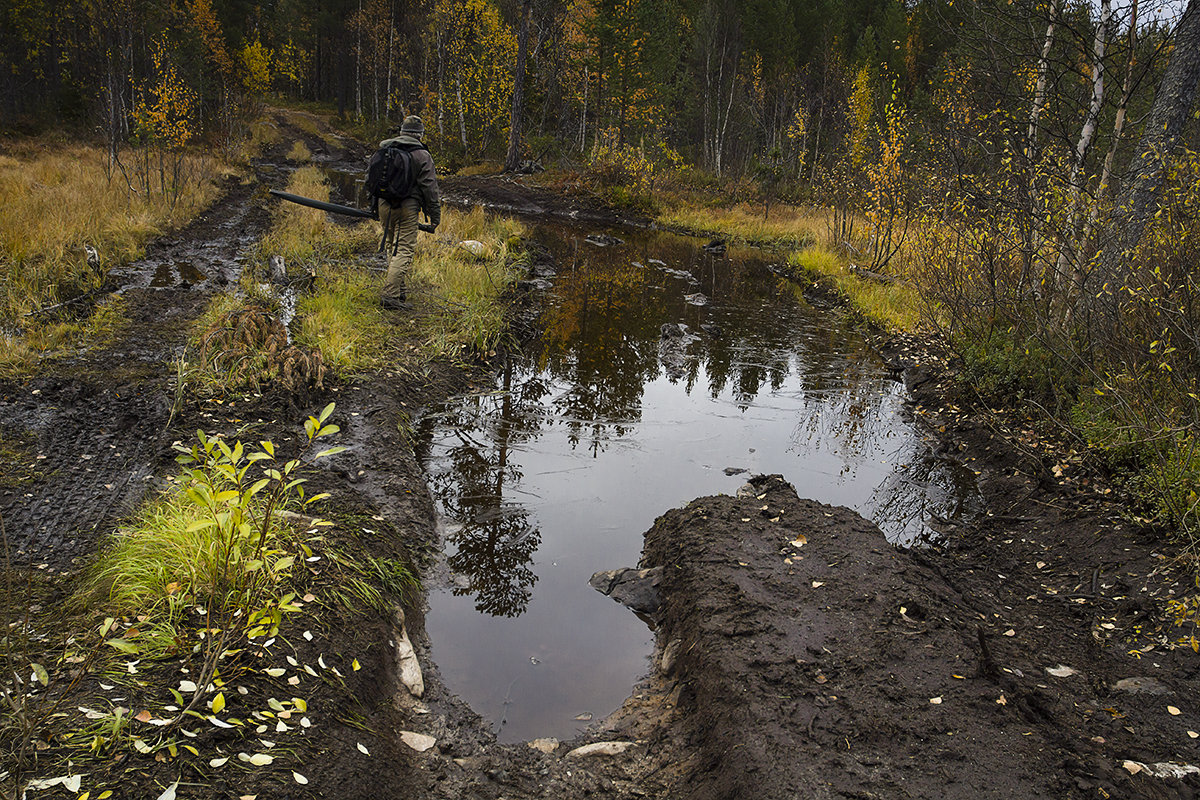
column 21, row 353
column 463, row 290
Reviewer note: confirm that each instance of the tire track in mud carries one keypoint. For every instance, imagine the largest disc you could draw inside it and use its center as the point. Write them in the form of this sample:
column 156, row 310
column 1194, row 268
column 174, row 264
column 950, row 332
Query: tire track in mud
column 96, row 425
column 92, row 430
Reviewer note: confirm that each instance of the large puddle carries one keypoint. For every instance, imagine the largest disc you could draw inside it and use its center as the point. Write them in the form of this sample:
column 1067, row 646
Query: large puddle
column 619, row 413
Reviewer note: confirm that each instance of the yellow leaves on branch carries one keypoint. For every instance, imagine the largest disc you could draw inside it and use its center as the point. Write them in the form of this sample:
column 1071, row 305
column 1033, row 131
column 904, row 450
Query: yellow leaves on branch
column 205, row 20
column 166, row 110
column 256, row 68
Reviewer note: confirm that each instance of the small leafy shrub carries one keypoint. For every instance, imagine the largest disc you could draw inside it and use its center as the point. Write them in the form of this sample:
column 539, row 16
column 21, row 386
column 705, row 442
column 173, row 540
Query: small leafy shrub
column 1001, row 365
column 623, row 173
column 206, row 566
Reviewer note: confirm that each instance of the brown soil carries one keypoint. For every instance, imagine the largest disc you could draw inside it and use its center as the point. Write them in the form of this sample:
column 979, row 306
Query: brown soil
column 800, row 655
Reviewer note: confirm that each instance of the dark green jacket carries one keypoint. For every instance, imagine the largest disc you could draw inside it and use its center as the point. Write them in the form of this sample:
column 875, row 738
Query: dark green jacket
column 425, row 187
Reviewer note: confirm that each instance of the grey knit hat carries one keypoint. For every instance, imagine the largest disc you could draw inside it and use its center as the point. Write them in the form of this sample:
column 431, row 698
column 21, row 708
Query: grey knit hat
column 412, row 125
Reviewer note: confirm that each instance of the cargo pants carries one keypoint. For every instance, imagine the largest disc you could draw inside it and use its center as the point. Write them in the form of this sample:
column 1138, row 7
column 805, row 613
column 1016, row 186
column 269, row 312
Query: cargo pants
column 399, row 241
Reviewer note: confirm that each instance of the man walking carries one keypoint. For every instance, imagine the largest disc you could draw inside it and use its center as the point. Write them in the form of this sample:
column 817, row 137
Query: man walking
column 399, row 216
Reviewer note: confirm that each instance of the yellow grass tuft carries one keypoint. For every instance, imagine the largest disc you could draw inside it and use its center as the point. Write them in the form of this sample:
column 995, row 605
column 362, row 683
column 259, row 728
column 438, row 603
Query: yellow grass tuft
column 893, row 307
column 794, row 226
column 465, row 289
column 299, row 152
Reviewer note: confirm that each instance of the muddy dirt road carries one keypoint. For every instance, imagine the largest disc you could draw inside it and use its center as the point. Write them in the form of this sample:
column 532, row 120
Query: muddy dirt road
column 798, row 653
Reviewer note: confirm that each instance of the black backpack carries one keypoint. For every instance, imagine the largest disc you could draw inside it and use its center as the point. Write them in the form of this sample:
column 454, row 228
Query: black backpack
column 391, row 174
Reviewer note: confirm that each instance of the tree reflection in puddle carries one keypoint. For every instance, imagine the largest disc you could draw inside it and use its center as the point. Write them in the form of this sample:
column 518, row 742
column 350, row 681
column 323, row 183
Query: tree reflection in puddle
column 633, row 401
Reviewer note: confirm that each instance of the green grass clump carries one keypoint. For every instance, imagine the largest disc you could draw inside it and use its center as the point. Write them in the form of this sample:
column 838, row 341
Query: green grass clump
column 158, row 560
column 344, row 321
column 464, row 289
column 895, row 306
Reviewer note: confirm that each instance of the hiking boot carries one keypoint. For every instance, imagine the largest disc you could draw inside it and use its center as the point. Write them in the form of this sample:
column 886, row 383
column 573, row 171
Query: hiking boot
column 393, row 304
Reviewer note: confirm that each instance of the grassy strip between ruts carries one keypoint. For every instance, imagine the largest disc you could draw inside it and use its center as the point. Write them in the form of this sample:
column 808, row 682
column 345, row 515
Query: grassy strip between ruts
column 893, row 306
column 458, row 279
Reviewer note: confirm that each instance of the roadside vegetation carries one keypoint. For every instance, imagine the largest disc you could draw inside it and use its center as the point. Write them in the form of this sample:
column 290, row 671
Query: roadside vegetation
column 62, row 201
column 177, row 642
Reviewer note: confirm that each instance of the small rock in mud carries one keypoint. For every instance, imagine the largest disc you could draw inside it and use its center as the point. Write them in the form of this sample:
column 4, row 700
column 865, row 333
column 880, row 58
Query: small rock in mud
column 636, row 589
column 716, row 246
column 673, row 330
column 417, row 741
column 547, row 745
column 734, row 471
column 603, row 240
column 600, row 749
column 696, row 299
column 1141, row 685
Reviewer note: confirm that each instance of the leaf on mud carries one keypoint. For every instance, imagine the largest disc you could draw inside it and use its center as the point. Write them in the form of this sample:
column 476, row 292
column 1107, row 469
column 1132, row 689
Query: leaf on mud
column 1193, row 735
column 799, row 541
column 187, row 686
column 40, row 675
column 354, row 665
column 818, row 584
column 305, row 722
column 1061, row 671
column 300, row 704
column 218, row 703
column 294, row 680
column 274, row 704
column 937, row 701
column 169, row 793
column 218, row 762
column 1132, row 767
column 70, row 782
column 144, row 716
column 298, row 778
column 220, row 723
column 362, row 748
column 1173, row 711
column 293, row 661
column 1010, row 632
column 276, row 672
column 1002, row 700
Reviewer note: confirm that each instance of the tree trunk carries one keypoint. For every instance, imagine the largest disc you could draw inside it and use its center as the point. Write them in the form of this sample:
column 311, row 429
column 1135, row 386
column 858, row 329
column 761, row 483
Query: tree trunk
column 1106, row 171
column 387, row 99
column 516, row 122
column 1039, row 91
column 462, row 114
column 1173, row 104
column 1071, row 247
column 358, row 112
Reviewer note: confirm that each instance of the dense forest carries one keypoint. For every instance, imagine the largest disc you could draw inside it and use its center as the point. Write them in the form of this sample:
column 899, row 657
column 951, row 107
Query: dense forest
column 725, row 86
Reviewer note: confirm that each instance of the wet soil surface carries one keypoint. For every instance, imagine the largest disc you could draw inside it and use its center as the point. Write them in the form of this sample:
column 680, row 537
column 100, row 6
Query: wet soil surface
column 799, row 653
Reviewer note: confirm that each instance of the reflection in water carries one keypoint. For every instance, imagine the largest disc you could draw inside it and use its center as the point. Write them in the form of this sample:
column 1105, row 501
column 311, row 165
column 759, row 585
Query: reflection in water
column 495, row 541
column 634, row 401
